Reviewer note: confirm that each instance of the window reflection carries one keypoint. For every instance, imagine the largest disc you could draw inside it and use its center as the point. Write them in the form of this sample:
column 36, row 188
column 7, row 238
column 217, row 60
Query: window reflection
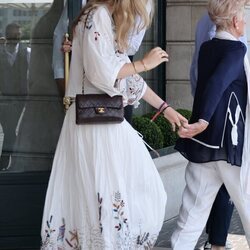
column 31, row 111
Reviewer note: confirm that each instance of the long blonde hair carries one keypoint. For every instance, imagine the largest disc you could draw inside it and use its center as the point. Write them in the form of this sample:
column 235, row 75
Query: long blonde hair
column 124, row 13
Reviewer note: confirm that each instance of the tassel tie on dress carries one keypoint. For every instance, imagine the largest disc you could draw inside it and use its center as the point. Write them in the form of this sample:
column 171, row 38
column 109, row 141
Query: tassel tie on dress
column 158, row 155
column 234, row 132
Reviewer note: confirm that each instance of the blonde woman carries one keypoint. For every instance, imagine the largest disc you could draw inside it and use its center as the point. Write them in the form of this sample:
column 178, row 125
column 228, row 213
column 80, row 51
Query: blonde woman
column 104, row 191
column 217, row 140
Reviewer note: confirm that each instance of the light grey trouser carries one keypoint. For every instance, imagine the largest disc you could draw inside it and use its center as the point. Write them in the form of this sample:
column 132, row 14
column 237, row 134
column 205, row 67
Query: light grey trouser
column 203, row 181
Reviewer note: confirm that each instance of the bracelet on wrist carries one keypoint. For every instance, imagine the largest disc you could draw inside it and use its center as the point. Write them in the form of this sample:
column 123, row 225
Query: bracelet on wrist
column 163, row 106
column 136, row 72
column 144, row 66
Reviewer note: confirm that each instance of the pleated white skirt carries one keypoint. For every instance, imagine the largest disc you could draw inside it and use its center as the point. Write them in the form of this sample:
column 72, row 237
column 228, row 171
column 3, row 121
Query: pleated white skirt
column 104, row 190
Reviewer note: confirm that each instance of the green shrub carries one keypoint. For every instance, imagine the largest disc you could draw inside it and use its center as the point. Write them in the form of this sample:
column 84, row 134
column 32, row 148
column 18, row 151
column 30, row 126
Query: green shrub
column 169, row 137
column 150, row 131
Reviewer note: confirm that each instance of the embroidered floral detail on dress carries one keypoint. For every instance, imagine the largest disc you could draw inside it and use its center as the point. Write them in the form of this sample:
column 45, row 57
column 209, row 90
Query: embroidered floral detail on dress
column 61, row 232
column 131, row 88
column 145, row 241
column 142, row 238
column 100, row 211
column 124, row 240
column 73, row 242
column 97, row 34
column 118, row 212
column 135, row 85
column 48, row 234
column 58, row 243
column 89, row 19
column 87, row 237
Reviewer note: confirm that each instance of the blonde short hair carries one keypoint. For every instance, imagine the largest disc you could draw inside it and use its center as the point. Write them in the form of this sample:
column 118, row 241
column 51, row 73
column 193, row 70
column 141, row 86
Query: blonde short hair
column 222, row 12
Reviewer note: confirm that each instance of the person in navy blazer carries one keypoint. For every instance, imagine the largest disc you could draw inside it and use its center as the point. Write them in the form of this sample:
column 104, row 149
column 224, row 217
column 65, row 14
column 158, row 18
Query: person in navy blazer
column 214, row 140
column 220, row 216
column 221, row 87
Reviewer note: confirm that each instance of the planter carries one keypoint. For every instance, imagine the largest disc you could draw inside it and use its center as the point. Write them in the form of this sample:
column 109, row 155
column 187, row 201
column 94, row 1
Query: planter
column 171, row 167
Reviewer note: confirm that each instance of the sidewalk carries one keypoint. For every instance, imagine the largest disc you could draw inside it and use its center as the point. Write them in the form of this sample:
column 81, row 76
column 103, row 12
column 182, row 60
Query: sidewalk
column 236, row 235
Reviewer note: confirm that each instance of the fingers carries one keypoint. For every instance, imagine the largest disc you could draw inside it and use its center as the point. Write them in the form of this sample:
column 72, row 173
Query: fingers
column 161, row 53
column 155, row 57
column 177, row 123
column 182, row 118
column 164, row 54
column 185, row 132
column 173, row 126
column 66, row 46
column 182, row 132
column 172, row 117
column 67, row 42
column 190, row 130
column 182, row 125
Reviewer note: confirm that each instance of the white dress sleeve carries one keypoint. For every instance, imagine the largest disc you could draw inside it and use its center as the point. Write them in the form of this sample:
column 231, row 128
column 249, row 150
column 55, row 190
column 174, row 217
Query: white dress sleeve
column 101, row 60
column 132, row 88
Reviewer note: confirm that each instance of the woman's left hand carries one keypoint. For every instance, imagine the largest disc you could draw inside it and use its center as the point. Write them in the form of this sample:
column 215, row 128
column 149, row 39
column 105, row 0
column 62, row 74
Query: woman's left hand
column 175, row 118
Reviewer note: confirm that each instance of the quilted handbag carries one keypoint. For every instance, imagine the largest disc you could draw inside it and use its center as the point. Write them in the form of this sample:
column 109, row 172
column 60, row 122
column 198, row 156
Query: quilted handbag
column 99, row 108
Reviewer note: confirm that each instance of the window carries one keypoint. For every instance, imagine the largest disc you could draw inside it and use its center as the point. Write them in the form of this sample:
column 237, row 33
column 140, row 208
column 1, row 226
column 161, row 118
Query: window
column 31, row 110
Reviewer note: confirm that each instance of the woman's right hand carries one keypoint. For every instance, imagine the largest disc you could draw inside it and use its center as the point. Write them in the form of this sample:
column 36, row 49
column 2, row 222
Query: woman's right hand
column 66, row 46
column 155, row 57
column 175, row 118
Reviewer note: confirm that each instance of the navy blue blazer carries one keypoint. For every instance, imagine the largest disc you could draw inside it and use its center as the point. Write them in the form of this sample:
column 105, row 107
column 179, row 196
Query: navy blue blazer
column 221, row 88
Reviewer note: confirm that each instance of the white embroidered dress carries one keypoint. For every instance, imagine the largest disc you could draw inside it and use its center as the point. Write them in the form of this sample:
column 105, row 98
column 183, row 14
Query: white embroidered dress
column 104, row 190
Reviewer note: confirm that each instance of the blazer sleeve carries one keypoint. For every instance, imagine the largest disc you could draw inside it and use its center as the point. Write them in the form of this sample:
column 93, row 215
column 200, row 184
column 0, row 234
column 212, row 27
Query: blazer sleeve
column 225, row 73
